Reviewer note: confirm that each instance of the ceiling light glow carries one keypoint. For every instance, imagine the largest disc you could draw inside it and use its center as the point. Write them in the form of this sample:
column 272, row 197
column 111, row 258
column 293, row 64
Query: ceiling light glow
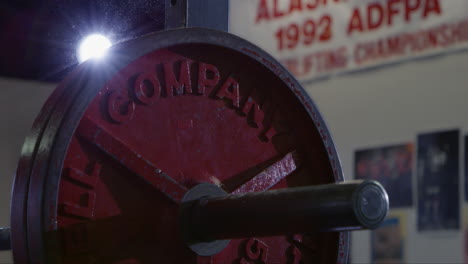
column 93, row 46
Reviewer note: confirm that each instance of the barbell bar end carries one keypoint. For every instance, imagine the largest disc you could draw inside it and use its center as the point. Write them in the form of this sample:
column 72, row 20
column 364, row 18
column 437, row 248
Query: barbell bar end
column 371, row 204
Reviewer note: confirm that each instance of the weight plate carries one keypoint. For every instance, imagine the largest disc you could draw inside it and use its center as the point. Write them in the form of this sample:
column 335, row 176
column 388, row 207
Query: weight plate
column 29, row 153
column 120, row 142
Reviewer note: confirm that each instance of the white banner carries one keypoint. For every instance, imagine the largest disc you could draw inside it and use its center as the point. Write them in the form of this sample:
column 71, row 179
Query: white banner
column 316, row 38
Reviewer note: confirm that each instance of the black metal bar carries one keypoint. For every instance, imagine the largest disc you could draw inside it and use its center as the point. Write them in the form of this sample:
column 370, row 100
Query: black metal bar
column 212, row 14
column 208, row 14
column 175, row 14
column 331, row 207
column 5, row 241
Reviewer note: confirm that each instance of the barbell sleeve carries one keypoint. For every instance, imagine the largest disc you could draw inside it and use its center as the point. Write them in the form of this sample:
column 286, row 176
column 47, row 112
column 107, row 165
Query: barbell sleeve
column 331, row 207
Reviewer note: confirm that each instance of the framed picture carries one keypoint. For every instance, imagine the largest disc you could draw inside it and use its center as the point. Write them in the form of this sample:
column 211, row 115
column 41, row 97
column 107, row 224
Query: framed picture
column 388, row 242
column 392, row 166
column 438, row 181
column 465, row 233
column 465, row 161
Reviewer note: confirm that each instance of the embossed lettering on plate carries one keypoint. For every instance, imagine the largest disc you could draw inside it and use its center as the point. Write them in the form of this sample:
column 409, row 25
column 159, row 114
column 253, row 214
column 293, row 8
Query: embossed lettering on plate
column 255, row 251
column 145, row 89
column 81, row 195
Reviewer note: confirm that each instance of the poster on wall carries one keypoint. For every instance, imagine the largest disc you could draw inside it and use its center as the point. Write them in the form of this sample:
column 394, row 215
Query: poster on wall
column 465, row 161
column 388, row 242
column 465, row 233
column 392, row 166
column 318, row 38
column 438, row 181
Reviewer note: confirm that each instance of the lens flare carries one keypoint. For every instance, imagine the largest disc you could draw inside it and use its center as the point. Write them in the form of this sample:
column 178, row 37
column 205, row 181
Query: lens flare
column 93, row 46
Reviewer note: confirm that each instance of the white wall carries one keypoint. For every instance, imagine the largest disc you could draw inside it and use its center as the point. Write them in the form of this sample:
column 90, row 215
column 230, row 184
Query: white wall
column 392, row 105
column 20, row 101
column 375, row 108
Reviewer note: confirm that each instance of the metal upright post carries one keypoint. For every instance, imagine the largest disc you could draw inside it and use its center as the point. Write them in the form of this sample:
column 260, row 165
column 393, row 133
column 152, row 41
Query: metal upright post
column 197, row 13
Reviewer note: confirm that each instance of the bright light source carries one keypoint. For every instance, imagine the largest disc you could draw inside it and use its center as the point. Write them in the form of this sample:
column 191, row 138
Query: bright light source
column 93, row 46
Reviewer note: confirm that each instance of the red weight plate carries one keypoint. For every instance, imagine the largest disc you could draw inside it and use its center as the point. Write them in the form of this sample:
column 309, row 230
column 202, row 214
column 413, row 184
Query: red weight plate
column 102, row 177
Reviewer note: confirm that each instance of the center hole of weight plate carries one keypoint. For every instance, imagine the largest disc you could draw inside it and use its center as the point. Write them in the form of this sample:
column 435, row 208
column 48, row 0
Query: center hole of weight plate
column 192, row 198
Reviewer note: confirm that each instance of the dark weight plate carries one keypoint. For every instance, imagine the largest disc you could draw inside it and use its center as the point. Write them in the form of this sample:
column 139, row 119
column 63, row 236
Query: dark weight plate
column 120, row 142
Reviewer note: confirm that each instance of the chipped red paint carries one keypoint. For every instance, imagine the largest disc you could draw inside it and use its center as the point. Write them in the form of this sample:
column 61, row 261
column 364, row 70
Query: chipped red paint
column 270, row 176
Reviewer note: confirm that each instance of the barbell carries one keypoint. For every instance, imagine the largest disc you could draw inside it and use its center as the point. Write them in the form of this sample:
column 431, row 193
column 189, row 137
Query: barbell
column 185, row 146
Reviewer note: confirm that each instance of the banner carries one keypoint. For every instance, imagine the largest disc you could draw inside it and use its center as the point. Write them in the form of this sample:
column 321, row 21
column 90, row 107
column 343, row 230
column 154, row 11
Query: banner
column 317, row 38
